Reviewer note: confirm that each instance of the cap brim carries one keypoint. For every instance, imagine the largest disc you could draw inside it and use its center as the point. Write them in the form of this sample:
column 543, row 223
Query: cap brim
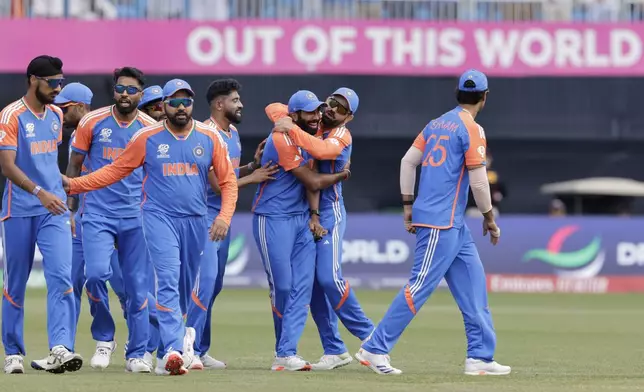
column 61, row 100
column 169, row 94
column 147, row 101
column 312, row 106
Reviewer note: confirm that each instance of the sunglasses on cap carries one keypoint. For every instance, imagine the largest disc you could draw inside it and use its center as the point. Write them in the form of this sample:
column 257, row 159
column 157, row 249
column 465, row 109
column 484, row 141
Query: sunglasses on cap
column 131, row 90
column 52, row 83
column 176, row 102
column 334, row 104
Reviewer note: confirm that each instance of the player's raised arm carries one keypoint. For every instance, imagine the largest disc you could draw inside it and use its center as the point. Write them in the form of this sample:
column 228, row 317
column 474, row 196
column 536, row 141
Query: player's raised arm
column 276, row 111
column 132, row 158
column 223, row 171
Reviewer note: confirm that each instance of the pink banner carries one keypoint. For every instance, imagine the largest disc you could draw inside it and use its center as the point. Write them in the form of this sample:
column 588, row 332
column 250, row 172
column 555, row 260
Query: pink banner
column 343, row 47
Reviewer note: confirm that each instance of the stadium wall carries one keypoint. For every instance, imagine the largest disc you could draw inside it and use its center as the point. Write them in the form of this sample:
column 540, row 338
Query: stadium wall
column 536, row 254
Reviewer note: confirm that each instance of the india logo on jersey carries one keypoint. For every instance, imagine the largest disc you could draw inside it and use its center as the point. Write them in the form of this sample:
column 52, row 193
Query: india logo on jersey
column 583, row 263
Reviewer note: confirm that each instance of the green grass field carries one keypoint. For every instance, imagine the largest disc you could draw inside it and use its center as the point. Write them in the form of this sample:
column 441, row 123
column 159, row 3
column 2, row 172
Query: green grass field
column 553, row 343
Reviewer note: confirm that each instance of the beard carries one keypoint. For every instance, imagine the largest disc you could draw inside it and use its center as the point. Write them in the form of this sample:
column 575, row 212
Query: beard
column 179, row 122
column 305, row 126
column 329, row 123
column 125, row 110
column 233, row 118
column 44, row 98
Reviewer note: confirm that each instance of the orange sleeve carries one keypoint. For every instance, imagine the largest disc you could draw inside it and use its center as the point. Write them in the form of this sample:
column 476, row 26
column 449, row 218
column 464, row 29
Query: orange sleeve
column 475, row 154
column 328, row 148
column 288, row 155
column 8, row 131
column 420, row 141
column 225, row 174
column 83, row 138
column 123, row 166
column 275, row 111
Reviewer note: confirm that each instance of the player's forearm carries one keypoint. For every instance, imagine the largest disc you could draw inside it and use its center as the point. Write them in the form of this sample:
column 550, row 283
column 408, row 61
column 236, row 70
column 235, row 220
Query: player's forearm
column 247, row 170
column 408, row 166
column 481, row 190
column 105, row 176
column 17, row 177
column 323, row 181
column 243, row 181
column 229, row 194
column 318, row 148
column 313, row 198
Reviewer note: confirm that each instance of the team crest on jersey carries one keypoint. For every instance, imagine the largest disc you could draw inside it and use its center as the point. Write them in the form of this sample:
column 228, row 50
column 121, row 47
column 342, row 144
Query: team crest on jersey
column 55, row 127
column 104, row 135
column 198, row 151
column 162, row 151
column 31, row 130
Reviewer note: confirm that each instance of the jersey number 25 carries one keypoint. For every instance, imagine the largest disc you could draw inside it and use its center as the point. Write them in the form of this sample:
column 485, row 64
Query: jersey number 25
column 438, row 153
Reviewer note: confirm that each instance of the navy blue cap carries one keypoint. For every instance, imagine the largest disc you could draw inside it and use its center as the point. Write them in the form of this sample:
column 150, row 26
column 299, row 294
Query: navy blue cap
column 175, row 85
column 350, row 96
column 76, row 93
column 150, row 94
column 304, row 100
column 472, row 81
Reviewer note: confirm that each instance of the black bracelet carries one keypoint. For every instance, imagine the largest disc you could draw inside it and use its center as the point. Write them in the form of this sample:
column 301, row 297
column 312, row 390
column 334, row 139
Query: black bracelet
column 314, row 212
column 408, row 202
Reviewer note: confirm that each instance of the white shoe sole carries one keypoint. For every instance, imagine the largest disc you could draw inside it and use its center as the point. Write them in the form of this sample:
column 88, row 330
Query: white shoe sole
column 486, row 373
column 15, row 371
column 337, row 365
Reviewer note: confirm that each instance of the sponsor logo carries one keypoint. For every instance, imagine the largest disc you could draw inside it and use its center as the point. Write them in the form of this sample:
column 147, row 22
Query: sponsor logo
column 104, row 135
column 162, row 151
column 581, row 263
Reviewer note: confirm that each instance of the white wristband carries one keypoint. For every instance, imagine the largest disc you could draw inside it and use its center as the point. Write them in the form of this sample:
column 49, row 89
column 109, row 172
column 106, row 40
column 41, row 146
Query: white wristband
column 36, row 190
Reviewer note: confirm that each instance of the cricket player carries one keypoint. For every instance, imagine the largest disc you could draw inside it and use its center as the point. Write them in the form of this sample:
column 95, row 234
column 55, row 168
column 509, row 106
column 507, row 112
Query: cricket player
column 34, row 212
column 451, row 150
column 113, row 215
column 282, row 232
column 225, row 110
column 152, row 103
column 332, row 147
column 176, row 156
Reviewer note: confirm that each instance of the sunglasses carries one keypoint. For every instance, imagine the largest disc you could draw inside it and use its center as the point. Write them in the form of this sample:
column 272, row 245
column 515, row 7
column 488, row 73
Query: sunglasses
column 176, row 102
column 131, row 90
column 334, row 104
column 52, row 83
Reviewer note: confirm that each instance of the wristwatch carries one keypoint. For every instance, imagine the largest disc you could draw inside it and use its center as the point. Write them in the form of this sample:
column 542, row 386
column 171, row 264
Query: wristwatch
column 314, row 212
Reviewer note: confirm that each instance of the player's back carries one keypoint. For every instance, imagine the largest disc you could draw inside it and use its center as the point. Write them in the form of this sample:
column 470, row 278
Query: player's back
column 447, row 143
column 35, row 138
column 285, row 195
column 233, row 144
column 176, row 169
column 103, row 138
column 333, row 195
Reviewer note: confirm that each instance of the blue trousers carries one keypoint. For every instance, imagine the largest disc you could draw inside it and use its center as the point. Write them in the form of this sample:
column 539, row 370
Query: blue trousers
column 450, row 254
column 288, row 254
column 53, row 236
column 176, row 245
column 209, row 282
column 332, row 296
column 100, row 233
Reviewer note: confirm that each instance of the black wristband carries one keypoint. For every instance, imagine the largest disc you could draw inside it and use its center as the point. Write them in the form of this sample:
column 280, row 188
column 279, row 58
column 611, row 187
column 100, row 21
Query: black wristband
column 314, row 212
column 408, row 202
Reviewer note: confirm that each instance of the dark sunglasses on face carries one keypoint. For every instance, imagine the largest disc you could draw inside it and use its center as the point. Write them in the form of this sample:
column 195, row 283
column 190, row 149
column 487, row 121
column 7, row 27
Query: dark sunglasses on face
column 334, row 104
column 52, row 83
column 176, row 102
column 131, row 90
column 156, row 106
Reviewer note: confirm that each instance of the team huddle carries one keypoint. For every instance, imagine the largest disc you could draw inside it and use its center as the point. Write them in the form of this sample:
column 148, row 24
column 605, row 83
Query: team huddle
column 146, row 204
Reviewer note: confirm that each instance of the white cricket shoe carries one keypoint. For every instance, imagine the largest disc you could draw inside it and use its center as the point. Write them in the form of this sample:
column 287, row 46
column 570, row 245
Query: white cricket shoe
column 149, row 359
column 294, row 363
column 39, row 364
column 103, row 355
column 174, row 364
column 13, row 364
column 476, row 367
column 137, row 365
column 210, row 363
column 159, row 369
column 190, row 360
column 379, row 363
column 61, row 360
column 330, row 362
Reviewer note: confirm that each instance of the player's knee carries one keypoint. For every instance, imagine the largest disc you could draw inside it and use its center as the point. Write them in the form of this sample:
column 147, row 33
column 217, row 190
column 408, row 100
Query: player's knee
column 327, row 282
column 283, row 289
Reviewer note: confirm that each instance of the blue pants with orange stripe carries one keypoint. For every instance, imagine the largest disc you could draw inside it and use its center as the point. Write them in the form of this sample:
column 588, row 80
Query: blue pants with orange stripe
column 332, row 296
column 176, row 245
column 53, row 235
column 450, row 254
column 288, row 253
column 210, row 281
column 99, row 235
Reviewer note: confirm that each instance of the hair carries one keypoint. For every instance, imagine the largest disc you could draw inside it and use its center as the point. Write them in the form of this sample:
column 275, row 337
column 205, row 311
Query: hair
column 469, row 97
column 129, row 72
column 221, row 87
